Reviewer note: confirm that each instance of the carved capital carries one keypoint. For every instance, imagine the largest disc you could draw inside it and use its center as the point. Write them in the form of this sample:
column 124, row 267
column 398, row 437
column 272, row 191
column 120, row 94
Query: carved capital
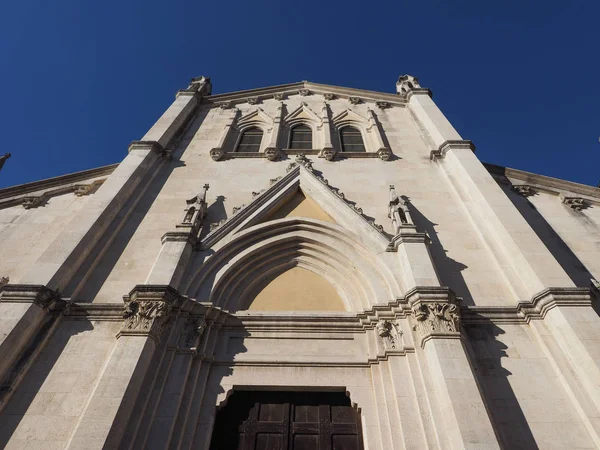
column 217, row 154
column 328, row 153
column 147, row 309
column 272, row 153
column 436, row 320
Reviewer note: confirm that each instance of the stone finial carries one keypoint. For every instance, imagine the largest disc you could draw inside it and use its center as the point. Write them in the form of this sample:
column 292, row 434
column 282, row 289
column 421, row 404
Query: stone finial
column 3, row 159
column 398, row 210
column 201, row 85
column 407, row 83
column 196, row 209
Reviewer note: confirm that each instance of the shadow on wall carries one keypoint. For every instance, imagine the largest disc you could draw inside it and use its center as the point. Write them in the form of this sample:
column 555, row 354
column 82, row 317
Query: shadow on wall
column 215, row 213
column 574, row 268
column 485, row 354
column 449, row 270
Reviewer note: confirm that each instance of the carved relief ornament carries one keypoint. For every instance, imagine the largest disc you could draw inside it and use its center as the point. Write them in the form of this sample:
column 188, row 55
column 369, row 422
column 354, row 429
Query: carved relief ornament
column 390, row 333
column 145, row 317
column 436, row 319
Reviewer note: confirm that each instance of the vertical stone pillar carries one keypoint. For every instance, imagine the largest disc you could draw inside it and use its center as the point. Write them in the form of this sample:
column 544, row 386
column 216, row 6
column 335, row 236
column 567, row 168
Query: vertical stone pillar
column 436, row 322
column 147, row 310
column 218, row 152
column 272, row 150
column 55, row 268
column 525, row 260
column 327, row 151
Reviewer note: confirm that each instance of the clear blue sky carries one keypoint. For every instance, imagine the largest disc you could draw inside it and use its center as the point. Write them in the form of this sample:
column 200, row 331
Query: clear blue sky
column 82, row 79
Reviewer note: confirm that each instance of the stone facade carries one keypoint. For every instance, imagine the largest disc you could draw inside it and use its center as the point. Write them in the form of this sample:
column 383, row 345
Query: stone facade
column 458, row 299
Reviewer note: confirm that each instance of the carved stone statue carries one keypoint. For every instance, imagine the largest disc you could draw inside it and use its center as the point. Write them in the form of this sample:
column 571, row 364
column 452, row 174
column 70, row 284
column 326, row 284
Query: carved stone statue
column 196, row 209
column 398, row 210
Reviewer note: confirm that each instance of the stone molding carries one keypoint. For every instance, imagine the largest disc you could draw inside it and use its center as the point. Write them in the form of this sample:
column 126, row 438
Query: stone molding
column 534, row 309
column 41, row 295
column 446, row 146
column 218, row 154
column 179, row 236
column 153, row 146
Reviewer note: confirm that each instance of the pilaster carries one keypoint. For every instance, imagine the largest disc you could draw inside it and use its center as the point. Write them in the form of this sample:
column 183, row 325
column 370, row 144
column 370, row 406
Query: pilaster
column 148, row 309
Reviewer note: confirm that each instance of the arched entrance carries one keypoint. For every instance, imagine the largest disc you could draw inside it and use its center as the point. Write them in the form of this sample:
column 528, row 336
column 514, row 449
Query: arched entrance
column 284, row 420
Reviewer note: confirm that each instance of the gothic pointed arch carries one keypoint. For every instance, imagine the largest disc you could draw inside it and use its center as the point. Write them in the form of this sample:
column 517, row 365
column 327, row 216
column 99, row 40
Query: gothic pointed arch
column 304, row 116
column 252, row 132
column 232, row 276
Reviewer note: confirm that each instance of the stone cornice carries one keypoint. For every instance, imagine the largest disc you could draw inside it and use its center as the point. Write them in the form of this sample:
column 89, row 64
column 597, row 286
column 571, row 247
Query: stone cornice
column 418, row 91
column 28, row 293
column 534, row 309
column 63, row 182
column 544, row 183
column 313, row 88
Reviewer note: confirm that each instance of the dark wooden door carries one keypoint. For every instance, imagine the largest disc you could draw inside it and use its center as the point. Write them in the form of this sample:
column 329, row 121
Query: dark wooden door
column 261, row 420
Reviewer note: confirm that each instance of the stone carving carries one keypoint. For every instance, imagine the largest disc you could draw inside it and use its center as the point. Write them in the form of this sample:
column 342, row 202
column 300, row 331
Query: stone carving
column 196, row 209
column 524, row 190
column 200, row 84
column 237, row 209
column 278, row 96
column 4, row 281
column 252, row 100
column 272, row 153
column 436, row 319
column 145, row 317
column 257, row 193
column 328, row 153
column 225, row 105
column 406, row 83
column 304, row 92
column 301, row 160
column 329, row 96
column 217, row 154
column 383, row 105
column 272, row 181
column 576, row 203
column 390, row 333
column 354, row 100
column 33, row 202
column 192, row 332
column 83, row 189
column 384, row 154
column 398, row 210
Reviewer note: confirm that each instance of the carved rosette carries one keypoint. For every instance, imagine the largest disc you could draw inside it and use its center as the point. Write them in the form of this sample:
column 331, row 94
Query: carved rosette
column 145, row 317
column 272, row 153
column 328, row 153
column 384, row 154
column 436, row 320
column 217, row 154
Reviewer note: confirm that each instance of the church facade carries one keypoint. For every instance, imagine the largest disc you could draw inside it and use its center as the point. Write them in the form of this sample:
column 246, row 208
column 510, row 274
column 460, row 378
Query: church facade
column 301, row 266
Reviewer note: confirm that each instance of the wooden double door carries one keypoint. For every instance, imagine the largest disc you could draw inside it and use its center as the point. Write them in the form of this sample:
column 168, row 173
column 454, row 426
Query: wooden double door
column 273, row 420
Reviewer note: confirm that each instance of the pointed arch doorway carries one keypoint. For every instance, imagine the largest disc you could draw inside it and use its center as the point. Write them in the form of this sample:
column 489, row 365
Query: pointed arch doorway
column 287, row 420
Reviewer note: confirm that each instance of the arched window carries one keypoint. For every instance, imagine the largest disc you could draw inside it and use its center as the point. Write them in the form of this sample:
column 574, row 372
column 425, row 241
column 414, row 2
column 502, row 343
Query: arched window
column 352, row 140
column 250, row 141
column 301, row 137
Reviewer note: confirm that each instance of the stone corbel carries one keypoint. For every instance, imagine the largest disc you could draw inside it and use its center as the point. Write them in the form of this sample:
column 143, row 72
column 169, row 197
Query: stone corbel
column 383, row 105
column 272, row 153
column 435, row 313
column 354, row 100
column 85, row 189
column 304, row 92
column 225, row 105
column 252, row 100
column 391, row 334
column 384, row 154
column 524, row 190
column 279, row 96
column 329, row 96
column 33, row 201
column 328, row 153
column 147, row 310
column 576, row 203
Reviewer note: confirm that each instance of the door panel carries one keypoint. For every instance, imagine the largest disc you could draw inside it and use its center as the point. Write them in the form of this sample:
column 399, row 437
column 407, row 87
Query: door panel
column 262, row 420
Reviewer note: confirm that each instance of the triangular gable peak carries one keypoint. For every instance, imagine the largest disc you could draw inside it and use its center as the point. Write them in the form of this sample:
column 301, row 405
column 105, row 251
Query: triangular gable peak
column 303, row 114
column 301, row 176
column 255, row 118
column 349, row 117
